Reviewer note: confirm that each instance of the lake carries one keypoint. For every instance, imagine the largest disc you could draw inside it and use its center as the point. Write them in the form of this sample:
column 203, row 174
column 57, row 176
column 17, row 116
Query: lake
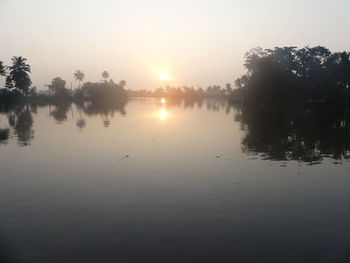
column 159, row 181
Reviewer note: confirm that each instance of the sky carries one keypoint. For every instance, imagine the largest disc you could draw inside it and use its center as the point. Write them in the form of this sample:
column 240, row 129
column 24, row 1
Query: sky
column 196, row 43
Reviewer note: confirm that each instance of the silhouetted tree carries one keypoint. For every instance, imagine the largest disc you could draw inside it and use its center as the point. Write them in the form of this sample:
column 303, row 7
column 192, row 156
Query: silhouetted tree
column 79, row 76
column 108, row 92
column 58, row 87
column 291, row 75
column 2, row 69
column 228, row 90
column 18, row 79
column 33, row 92
column 105, row 75
column 176, row 93
column 122, row 84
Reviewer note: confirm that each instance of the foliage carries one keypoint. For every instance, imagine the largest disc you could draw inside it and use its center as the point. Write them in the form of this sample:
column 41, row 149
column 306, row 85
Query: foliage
column 106, row 91
column 184, row 92
column 2, row 69
column 291, row 75
column 58, row 87
column 105, row 75
column 33, row 92
column 79, row 76
column 18, row 80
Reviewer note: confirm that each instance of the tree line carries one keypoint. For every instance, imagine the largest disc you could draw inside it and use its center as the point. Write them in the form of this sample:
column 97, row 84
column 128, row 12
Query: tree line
column 18, row 86
column 295, row 103
column 184, row 92
column 290, row 75
column 18, row 81
column 280, row 76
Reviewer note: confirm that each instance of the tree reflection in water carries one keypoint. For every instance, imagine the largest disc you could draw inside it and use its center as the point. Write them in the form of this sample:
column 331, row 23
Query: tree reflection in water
column 20, row 122
column 4, row 135
column 308, row 133
column 20, row 117
column 106, row 110
column 60, row 111
column 81, row 123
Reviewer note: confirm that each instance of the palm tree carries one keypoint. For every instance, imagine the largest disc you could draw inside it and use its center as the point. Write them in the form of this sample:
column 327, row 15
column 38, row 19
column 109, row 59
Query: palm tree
column 105, row 75
column 2, row 69
column 18, row 77
column 79, row 76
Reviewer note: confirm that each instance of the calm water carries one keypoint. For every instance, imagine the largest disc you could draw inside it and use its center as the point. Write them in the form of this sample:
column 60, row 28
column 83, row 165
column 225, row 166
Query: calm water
column 153, row 181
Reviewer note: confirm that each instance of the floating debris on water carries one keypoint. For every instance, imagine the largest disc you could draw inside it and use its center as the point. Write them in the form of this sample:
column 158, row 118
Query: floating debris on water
column 123, row 158
column 313, row 163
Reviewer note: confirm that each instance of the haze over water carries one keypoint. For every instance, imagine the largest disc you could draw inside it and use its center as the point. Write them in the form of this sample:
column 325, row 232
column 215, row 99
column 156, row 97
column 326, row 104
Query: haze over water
column 139, row 131
column 156, row 181
column 197, row 42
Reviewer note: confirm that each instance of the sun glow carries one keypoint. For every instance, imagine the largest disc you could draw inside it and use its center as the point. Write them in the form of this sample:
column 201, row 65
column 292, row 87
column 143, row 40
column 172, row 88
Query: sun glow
column 163, row 114
column 161, row 72
column 162, row 75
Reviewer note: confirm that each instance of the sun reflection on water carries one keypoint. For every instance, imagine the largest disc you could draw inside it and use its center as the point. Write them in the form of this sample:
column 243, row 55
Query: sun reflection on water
column 163, row 114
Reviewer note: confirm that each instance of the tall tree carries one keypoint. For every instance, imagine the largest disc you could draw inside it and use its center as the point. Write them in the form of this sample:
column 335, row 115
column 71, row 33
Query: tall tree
column 289, row 75
column 122, row 83
column 18, row 78
column 105, row 75
column 58, row 87
column 79, row 76
column 2, row 69
column 228, row 90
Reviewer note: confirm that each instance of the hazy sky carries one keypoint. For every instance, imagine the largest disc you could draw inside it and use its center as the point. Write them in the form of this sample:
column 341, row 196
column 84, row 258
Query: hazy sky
column 197, row 42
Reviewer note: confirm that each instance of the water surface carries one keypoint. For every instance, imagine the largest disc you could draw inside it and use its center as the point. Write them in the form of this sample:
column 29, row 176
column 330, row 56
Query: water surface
column 154, row 181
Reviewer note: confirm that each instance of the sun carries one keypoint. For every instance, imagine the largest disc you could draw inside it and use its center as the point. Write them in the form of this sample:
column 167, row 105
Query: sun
column 161, row 71
column 162, row 75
